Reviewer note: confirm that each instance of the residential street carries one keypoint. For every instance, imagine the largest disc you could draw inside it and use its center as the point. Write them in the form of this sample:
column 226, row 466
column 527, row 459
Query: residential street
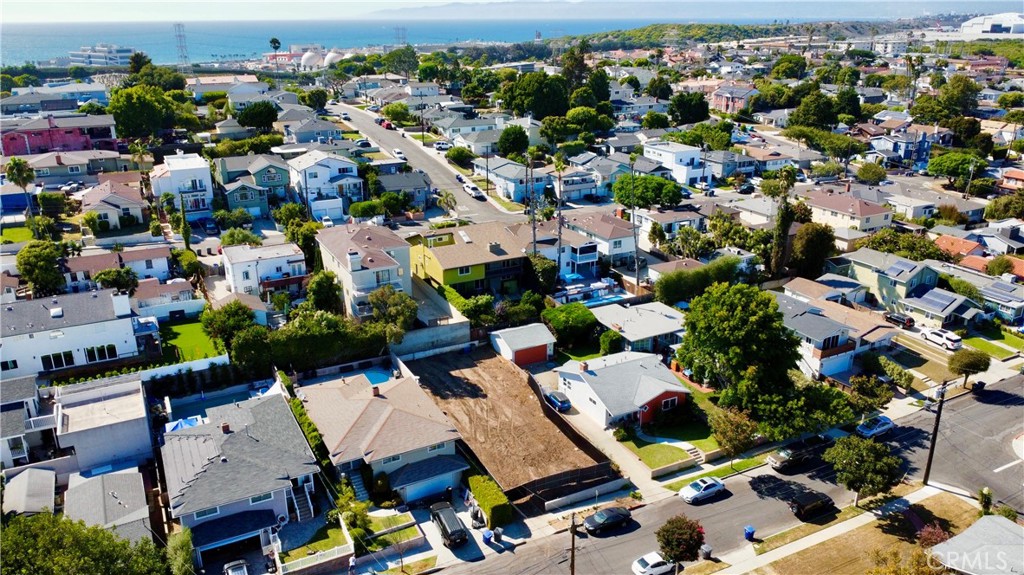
column 427, row 159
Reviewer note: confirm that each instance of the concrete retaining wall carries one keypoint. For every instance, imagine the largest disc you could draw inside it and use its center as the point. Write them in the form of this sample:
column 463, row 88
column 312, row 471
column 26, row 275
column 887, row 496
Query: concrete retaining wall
column 713, row 455
column 609, row 487
column 62, row 466
column 428, row 338
column 672, row 467
column 194, row 365
column 191, row 308
column 132, row 240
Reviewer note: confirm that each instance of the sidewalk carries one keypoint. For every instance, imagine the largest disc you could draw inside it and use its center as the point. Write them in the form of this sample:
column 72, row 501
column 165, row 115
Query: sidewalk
column 746, row 560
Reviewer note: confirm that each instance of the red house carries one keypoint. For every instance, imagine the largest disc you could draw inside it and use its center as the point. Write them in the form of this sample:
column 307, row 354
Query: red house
column 27, row 136
column 626, row 387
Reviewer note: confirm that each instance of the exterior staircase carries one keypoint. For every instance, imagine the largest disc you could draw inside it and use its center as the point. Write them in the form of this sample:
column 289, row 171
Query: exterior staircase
column 696, row 454
column 356, row 479
column 302, row 507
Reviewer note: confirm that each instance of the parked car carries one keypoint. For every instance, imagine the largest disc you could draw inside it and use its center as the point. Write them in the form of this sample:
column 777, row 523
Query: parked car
column 70, row 187
column 810, row 504
column 703, row 186
column 756, row 181
column 746, row 189
column 942, row 338
column 453, row 531
column 558, row 401
column 373, row 108
column 460, row 179
column 875, row 427
column 652, row 564
column 606, row 519
column 702, row 489
column 472, row 190
column 387, row 125
column 210, row 227
column 362, row 143
column 798, row 452
column 442, row 146
column 899, row 319
column 800, row 177
column 240, row 567
column 378, row 120
column 345, row 116
column 327, row 222
column 632, row 265
column 398, row 154
column 332, row 102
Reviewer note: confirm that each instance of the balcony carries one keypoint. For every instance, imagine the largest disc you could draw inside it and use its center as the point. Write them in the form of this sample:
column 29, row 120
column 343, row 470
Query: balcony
column 40, row 423
column 192, row 188
column 363, row 291
column 850, row 345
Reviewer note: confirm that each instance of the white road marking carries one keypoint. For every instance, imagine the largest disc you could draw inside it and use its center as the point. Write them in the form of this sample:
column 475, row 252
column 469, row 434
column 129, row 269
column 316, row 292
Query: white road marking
column 1007, row 466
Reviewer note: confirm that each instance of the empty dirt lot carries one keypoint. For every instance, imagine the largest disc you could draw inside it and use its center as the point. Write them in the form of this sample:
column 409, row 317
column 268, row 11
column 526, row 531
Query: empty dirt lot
column 491, row 404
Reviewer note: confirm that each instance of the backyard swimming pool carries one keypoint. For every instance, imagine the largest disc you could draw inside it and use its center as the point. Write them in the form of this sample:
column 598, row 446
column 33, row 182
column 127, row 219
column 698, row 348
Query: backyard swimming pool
column 377, row 375
column 605, row 299
column 198, row 407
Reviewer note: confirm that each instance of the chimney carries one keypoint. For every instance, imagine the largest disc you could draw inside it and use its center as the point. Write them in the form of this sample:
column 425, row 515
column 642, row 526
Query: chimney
column 376, row 390
column 583, row 366
column 122, row 307
column 355, row 261
column 225, row 428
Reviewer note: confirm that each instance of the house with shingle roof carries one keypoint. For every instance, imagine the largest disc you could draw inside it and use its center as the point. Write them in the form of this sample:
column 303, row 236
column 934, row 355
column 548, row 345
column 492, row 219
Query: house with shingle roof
column 365, row 258
column 829, row 287
column 238, row 474
column 114, row 501
column 622, row 388
column 510, row 178
column 393, row 427
column 846, row 211
column 825, row 344
column 613, row 235
column 263, row 172
column 888, row 277
column 113, row 203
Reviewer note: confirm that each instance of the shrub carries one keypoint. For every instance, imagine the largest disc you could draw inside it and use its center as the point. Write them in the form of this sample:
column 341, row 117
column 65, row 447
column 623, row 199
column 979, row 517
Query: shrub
column 931, row 535
column 316, row 441
column 901, row 377
column 611, row 342
column 460, row 156
column 332, row 516
column 492, row 500
column 366, row 209
column 286, row 381
column 154, row 228
column 104, row 225
column 621, row 434
column 127, row 221
column 381, row 485
column 571, row 323
column 1007, row 512
column 479, row 309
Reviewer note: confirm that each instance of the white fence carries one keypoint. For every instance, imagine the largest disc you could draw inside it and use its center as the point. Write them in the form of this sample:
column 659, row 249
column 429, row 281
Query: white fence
column 129, row 240
column 320, row 557
column 190, row 307
column 194, row 365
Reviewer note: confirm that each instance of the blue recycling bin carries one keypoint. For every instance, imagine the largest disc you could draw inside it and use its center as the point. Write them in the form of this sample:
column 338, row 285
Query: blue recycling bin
column 748, row 532
column 488, row 534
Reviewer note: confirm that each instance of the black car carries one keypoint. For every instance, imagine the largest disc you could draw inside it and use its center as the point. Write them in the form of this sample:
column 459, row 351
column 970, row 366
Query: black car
column 632, row 265
column 606, row 519
column 798, row 452
column 810, row 504
column 210, row 227
column 460, row 179
column 899, row 319
column 746, row 189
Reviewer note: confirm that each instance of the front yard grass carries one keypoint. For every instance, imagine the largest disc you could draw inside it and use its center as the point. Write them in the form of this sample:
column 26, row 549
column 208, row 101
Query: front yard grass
column 378, row 523
column 414, row 567
column 724, row 471
column 352, row 136
column 582, row 352
column 327, row 537
column 933, row 369
column 655, row 455
column 424, row 137
column 695, row 432
column 15, row 234
column 186, row 341
column 994, row 333
column 507, row 204
column 389, row 539
column 982, row 344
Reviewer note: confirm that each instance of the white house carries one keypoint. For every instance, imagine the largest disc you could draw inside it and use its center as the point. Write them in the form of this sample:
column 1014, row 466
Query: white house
column 187, row 176
column 260, row 269
column 365, row 258
column 825, row 344
column 613, row 235
column 647, row 327
column 845, row 211
column 671, row 221
column 327, row 183
column 683, row 160
column 511, row 179
column 112, row 201
column 55, row 333
column 148, row 262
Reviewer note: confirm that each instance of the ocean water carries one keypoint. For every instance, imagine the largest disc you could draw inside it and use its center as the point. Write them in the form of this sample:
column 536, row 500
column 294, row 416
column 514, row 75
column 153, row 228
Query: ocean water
column 212, row 41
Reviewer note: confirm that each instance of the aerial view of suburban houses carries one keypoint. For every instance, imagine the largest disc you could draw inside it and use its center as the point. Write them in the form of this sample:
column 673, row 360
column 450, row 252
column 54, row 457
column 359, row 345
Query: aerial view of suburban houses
column 720, row 287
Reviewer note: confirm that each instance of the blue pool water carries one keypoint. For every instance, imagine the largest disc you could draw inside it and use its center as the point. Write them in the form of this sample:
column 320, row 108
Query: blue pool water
column 602, row 300
column 183, row 410
column 376, row 375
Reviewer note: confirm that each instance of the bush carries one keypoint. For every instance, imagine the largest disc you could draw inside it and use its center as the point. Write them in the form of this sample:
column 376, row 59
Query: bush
column 460, row 156
column 1007, row 512
column 287, row 382
column 611, row 342
column 316, row 441
column 827, row 169
column 104, row 225
column 684, row 285
column 572, row 323
column 621, row 434
column 901, row 377
column 492, row 500
column 366, row 209
column 479, row 309
column 931, row 535
column 127, row 221
column 154, row 228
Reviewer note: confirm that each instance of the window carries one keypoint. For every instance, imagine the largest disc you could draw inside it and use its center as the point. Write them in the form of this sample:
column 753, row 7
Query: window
column 261, row 498
column 58, row 360
column 271, row 176
column 830, row 342
column 126, row 211
column 313, row 175
column 278, row 269
column 42, row 172
column 248, row 289
column 74, row 169
column 391, row 459
column 245, row 275
column 149, row 264
column 383, row 276
column 617, row 244
column 207, row 512
column 8, row 365
column 464, row 271
column 437, row 447
column 100, row 353
column 103, row 216
column 244, row 196
column 892, row 283
column 667, row 404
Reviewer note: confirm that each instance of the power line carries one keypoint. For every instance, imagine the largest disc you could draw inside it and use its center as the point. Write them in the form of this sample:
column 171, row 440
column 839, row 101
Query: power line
column 184, row 67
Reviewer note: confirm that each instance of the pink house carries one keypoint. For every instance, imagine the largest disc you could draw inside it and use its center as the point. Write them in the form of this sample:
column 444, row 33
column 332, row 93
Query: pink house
column 22, row 137
column 732, row 99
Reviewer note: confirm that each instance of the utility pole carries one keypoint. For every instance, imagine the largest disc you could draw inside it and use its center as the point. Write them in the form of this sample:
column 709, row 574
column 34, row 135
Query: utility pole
column 533, row 203
column 935, row 432
column 572, row 547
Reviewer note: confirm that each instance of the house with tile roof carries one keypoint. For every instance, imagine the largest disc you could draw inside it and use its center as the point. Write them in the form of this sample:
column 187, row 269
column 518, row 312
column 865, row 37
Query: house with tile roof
column 240, row 474
column 844, row 211
column 365, row 258
column 628, row 387
column 959, row 247
column 392, row 427
column 114, row 203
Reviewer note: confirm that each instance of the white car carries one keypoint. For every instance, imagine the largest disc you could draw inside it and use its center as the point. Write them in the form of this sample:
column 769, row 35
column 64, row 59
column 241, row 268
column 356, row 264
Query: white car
column 327, row 222
column 942, row 338
column 345, row 116
column 240, row 567
column 442, row 146
column 398, row 154
column 652, row 564
column 701, row 489
column 472, row 190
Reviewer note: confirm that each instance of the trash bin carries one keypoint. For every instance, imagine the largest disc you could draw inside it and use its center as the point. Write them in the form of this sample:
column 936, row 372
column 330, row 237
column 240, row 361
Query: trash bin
column 488, row 534
column 705, row 551
column 748, row 532
column 497, row 534
column 978, row 387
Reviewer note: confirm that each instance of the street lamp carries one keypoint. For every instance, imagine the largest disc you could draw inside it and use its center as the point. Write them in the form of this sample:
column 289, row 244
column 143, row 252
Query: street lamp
column 941, row 394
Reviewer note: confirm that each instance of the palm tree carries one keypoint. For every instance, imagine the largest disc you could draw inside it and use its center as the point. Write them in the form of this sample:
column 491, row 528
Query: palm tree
column 21, row 174
column 447, row 202
column 139, row 150
column 559, row 167
column 275, row 45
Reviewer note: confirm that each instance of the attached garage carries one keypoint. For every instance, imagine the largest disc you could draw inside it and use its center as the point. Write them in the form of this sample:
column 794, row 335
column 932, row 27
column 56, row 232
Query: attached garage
column 524, row 345
column 428, row 477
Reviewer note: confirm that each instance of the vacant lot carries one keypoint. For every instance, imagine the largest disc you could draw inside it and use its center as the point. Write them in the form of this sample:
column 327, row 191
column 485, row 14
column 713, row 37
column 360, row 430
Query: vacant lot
column 500, row 418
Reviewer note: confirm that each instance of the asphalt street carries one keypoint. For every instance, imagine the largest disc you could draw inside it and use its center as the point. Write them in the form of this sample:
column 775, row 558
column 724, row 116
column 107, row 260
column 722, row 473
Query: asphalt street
column 758, row 497
column 427, row 159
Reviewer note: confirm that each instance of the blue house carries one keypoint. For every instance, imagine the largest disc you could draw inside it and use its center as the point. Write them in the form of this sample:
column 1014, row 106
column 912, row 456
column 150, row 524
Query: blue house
column 910, row 147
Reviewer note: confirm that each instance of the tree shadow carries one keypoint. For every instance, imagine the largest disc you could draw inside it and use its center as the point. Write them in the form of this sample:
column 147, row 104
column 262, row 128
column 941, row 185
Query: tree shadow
column 998, row 397
column 905, row 524
column 773, row 487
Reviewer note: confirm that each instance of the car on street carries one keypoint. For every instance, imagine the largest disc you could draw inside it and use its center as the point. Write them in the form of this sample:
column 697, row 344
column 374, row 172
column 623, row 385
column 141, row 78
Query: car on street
column 460, row 179
column 809, row 504
column 373, row 108
column 387, row 125
column 632, row 265
column 332, row 102
column 610, row 518
column 899, row 319
column 746, row 189
column 240, row 567
column 797, row 452
column 702, row 489
column 800, row 177
column 398, row 153
column 210, row 227
column 558, row 401
column 942, row 338
column 70, row 187
column 362, row 143
column 345, row 116
column 703, row 186
column 652, row 564
column 472, row 190
column 875, row 427
column 442, row 146
column 327, row 222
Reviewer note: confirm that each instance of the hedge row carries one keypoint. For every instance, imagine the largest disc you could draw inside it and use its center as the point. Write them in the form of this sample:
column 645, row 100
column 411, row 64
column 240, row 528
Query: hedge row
column 316, row 441
column 492, row 500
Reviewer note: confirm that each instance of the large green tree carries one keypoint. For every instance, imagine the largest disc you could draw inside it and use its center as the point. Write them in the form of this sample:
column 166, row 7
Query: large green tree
column 227, row 321
column 513, row 140
column 813, row 244
column 680, row 539
column 39, row 263
column 736, row 341
column 239, row 236
column 816, row 110
column 911, row 246
column 324, row 292
column 688, row 108
column 871, row 173
column 395, row 310
column 250, row 351
column 48, row 544
column 863, row 466
column 21, row 174
column 968, row 362
column 403, row 61
column 124, row 279
column 140, row 111
column 955, row 165
column 960, row 95
column 259, row 115
column 538, row 94
column 734, row 431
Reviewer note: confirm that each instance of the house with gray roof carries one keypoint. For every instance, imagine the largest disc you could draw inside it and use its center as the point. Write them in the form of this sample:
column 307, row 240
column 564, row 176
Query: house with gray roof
column 622, row 388
column 481, row 143
column 312, row 130
column 725, row 164
column 647, row 327
column 524, row 345
column 999, row 297
column 267, row 171
column 30, row 492
column 888, row 277
column 413, row 185
column 393, row 427
column 114, row 501
column 240, row 474
column 825, row 344
column 942, row 308
column 992, row 545
column 510, row 178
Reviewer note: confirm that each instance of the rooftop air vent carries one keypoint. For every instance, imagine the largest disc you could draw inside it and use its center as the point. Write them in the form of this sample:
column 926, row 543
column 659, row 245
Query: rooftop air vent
column 56, row 312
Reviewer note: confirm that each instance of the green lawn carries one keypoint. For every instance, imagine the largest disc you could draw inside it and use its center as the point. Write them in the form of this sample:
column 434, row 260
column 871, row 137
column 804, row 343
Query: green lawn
column 188, row 340
column 414, row 567
column 1002, row 336
column 725, row 470
column 384, row 541
column 582, row 352
column 508, row 205
column 381, row 523
column 655, row 455
column 327, row 537
column 695, row 432
column 933, row 369
column 983, row 344
column 352, row 136
column 424, row 137
column 15, row 234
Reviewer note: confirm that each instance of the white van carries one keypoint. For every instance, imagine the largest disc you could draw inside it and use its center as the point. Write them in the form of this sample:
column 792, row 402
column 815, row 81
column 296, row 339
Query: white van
column 942, row 338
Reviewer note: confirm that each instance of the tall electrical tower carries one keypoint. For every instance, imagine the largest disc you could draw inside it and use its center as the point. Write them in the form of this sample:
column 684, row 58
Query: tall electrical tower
column 184, row 67
column 400, row 36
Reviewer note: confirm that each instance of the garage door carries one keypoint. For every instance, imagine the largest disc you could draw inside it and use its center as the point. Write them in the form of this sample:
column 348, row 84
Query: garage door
column 429, row 487
column 532, row 355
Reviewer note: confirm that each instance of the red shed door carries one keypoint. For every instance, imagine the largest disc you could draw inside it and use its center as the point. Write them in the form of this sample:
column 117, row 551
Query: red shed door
column 532, row 355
